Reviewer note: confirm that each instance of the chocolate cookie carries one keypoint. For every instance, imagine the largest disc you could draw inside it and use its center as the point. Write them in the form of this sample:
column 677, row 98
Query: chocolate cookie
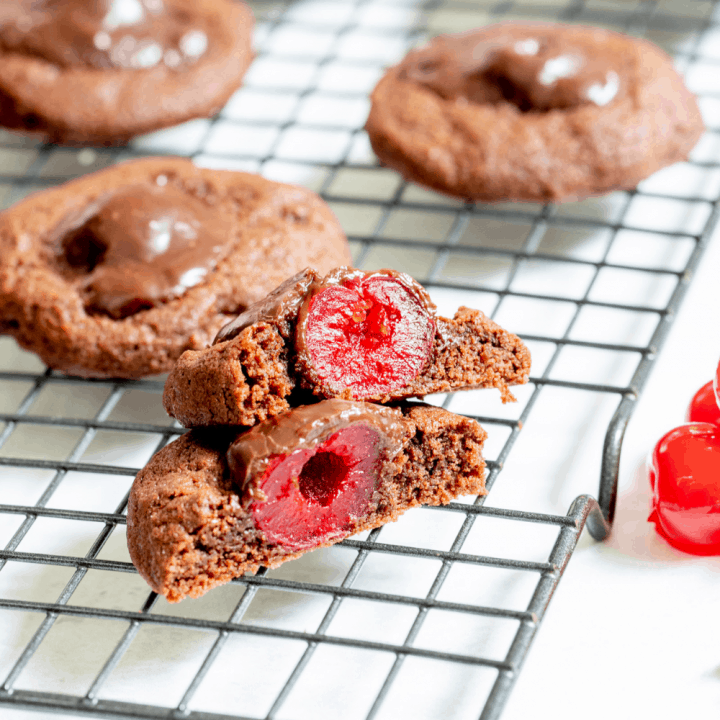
column 351, row 334
column 212, row 506
column 117, row 273
column 538, row 112
column 101, row 72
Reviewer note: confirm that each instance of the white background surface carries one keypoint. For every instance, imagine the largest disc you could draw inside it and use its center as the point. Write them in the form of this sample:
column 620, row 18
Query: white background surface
column 634, row 630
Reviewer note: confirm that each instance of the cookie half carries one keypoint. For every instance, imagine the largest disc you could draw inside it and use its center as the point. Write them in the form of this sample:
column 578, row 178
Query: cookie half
column 117, row 273
column 351, row 334
column 537, row 112
column 212, row 506
column 101, row 72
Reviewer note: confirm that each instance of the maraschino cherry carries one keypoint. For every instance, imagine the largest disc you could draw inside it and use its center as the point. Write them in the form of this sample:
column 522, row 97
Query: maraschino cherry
column 685, row 480
column 703, row 407
column 370, row 335
column 312, row 496
column 685, row 477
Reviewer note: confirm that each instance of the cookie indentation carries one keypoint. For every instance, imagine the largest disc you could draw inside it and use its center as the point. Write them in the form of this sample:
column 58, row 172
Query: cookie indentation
column 534, row 74
column 145, row 246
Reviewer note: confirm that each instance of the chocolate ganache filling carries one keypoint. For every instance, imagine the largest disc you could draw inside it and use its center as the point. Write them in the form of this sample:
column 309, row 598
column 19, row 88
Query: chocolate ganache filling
column 535, row 73
column 103, row 34
column 280, row 306
column 144, row 246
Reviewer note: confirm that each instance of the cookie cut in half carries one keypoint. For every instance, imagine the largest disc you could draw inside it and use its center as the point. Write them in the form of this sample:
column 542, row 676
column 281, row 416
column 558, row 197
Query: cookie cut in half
column 216, row 504
column 116, row 273
column 351, row 334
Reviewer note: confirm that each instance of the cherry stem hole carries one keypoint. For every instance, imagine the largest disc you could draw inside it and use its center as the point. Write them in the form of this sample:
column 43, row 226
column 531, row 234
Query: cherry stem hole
column 322, row 477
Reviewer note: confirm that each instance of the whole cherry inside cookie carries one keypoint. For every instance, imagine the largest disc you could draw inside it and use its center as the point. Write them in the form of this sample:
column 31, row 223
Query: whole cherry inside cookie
column 532, row 112
column 312, row 496
column 308, row 476
column 368, row 334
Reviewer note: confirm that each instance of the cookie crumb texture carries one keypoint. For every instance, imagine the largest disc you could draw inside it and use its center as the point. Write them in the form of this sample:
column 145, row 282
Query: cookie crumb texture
column 263, row 357
column 99, row 73
column 532, row 112
column 189, row 529
column 117, row 273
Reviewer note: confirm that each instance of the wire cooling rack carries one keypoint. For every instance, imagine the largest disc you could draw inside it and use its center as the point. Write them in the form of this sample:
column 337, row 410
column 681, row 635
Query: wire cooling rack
column 429, row 617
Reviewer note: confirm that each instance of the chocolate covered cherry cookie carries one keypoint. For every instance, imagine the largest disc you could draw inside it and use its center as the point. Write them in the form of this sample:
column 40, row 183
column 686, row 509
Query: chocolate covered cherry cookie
column 117, row 273
column 101, row 71
column 537, row 111
column 216, row 504
column 351, row 334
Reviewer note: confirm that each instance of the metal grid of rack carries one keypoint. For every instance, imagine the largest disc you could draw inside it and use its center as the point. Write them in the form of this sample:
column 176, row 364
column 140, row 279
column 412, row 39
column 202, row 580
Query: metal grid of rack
column 385, row 618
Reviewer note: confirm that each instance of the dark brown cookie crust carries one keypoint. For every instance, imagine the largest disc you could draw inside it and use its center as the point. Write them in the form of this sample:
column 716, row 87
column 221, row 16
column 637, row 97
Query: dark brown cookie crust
column 89, row 106
column 495, row 152
column 249, row 378
column 188, row 532
column 276, row 231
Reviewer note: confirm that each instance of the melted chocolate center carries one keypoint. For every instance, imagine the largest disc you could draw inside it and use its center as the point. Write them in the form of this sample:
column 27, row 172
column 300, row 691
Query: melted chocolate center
column 539, row 72
column 144, row 246
column 103, row 33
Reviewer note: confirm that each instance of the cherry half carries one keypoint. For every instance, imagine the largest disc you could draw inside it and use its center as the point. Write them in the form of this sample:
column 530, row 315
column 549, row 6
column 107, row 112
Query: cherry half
column 313, row 496
column 371, row 335
column 703, row 407
column 685, row 480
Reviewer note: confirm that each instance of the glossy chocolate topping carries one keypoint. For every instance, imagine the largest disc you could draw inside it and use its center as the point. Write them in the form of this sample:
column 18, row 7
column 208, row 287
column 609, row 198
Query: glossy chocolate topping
column 538, row 70
column 280, row 306
column 143, row 246
column 104, row 33
column 306, row 428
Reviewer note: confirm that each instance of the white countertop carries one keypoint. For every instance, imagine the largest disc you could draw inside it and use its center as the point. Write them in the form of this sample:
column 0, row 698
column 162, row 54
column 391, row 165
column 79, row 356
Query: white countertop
column 633, row 630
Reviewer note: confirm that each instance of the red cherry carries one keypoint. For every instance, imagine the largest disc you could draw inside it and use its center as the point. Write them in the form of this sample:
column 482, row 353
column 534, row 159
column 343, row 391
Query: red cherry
column 371, row 336
column 703, row 407
column 314, row 495
column 685, row 479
